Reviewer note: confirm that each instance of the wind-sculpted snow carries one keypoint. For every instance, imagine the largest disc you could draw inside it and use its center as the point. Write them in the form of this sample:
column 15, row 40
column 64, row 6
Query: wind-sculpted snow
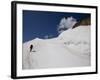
column 70, row 49
column 66, row 23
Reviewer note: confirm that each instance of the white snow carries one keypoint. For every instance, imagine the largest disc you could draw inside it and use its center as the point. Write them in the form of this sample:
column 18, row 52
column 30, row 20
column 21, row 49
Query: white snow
column 66, row 23
column 70, row 49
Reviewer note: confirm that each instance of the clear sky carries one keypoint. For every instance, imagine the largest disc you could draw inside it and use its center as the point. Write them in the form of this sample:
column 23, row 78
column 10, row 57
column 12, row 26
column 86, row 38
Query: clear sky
column 41, row 23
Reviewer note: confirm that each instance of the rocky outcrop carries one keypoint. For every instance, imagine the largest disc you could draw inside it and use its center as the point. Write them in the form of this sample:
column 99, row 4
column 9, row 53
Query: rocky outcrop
column 83, row 22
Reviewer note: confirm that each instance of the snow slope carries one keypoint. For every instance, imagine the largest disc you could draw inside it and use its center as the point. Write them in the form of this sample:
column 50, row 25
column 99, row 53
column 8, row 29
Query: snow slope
column 70, row 49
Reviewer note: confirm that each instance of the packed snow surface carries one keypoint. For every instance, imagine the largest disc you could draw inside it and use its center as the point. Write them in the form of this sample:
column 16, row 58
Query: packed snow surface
column 70, row 49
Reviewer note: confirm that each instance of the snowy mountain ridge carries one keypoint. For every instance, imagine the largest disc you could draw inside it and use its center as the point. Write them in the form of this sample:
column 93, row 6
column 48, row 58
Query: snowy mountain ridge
column 71, row 45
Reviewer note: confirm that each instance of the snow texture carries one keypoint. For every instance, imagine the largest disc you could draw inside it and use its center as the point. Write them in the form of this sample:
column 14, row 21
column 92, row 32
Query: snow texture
column 66, row 23
column 70, row 49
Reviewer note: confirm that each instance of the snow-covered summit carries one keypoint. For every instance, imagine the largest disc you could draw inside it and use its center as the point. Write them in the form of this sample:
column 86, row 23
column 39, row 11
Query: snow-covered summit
column 80, row 33
column 70, row 49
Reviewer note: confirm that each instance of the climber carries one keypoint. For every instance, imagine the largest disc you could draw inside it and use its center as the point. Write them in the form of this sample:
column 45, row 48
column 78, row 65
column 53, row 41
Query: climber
column 31, row 47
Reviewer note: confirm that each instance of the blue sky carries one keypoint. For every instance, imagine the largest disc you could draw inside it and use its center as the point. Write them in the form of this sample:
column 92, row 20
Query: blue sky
column 41, row 23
